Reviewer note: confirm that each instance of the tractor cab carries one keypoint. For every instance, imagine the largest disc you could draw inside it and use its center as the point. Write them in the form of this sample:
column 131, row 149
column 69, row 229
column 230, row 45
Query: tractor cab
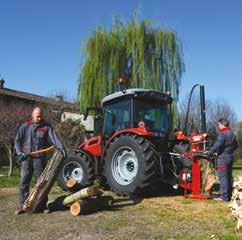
column 136, row 108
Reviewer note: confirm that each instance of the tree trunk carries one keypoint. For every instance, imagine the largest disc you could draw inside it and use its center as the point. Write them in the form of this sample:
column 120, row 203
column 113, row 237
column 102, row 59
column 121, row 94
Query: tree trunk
column 71, row 183
column 77, row 207
column 10, row 157
column 91, row 205
column 34, row 202
column 84, row 193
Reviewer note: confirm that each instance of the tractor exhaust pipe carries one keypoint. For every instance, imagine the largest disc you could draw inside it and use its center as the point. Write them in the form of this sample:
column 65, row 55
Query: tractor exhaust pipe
column 203, row 109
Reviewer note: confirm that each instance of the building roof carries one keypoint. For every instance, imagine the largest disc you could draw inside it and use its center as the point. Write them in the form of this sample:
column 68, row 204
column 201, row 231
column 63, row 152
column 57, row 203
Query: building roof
column 40, row 99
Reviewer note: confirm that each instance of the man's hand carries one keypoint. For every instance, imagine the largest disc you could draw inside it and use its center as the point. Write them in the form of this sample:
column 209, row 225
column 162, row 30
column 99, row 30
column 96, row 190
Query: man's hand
column 209, row 154
column 22, row 156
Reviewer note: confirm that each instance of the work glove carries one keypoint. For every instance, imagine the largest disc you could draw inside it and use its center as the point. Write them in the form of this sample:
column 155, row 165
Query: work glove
column 22, row 156
column 209, row 154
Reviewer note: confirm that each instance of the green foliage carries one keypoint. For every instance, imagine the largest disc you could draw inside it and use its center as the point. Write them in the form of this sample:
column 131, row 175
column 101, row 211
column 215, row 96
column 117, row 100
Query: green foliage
column 156, row 56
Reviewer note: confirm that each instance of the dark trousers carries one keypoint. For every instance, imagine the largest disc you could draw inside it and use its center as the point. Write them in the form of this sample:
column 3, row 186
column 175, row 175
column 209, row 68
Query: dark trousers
column 224, row 167
column 28, row 168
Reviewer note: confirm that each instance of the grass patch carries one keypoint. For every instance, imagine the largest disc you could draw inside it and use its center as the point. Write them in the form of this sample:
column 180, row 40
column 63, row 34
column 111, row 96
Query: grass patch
column 237, row 170
column 230, row 237
column 12, row 181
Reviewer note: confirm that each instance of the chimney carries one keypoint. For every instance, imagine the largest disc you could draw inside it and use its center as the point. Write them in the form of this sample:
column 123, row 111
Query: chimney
column 2, row 83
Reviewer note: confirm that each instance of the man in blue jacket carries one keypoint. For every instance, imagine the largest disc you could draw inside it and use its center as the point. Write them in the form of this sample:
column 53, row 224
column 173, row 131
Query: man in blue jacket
column 32, row 136
column 224, row 146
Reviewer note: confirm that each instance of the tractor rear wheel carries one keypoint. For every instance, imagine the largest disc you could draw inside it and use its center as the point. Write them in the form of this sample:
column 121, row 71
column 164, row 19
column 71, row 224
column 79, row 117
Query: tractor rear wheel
column 80, row 168
column 130, row 165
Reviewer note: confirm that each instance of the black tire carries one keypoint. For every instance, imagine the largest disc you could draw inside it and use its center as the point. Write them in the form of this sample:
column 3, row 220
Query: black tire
column 79, row 167
column 130, row 165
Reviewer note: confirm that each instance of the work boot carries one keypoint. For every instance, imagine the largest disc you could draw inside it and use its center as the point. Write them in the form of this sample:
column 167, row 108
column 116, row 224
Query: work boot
column 19, row 211
column 46, row 211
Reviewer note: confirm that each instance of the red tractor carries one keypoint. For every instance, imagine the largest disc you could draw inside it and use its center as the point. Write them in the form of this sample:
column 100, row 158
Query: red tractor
column 133, row 148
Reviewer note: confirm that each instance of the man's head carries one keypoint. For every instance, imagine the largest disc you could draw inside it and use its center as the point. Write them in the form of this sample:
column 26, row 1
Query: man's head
column 223, row 123
column 37, row 115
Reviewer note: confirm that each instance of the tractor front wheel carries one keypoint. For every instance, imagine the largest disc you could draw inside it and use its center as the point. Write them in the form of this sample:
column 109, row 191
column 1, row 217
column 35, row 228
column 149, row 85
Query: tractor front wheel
column 80, row 168
column 130, row 165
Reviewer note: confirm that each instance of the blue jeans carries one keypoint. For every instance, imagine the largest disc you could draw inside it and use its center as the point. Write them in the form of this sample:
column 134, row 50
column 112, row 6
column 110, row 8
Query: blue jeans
column 224, row 168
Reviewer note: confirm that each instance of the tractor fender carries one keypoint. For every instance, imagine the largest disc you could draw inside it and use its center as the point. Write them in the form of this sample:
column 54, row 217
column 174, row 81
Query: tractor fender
column 92, row 145
column 94, row 158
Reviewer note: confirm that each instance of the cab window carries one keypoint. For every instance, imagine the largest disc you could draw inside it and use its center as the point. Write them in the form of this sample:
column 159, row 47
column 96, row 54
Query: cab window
column 116, row 117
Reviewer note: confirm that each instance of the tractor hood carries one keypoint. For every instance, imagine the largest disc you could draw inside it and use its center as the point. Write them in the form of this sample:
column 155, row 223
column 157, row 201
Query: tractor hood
column 147, row 94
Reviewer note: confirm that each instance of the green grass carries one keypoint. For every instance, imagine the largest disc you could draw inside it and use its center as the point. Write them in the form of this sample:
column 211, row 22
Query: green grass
column 14, row 180
column 237, row 170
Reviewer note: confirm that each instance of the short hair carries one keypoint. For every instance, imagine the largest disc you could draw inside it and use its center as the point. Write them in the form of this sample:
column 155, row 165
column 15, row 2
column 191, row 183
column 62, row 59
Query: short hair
column 37, row 109
column 224, row 121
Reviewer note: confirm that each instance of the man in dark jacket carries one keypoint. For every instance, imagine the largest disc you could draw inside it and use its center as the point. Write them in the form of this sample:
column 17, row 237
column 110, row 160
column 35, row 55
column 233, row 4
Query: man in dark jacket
column 224, row 146
column 32, row 136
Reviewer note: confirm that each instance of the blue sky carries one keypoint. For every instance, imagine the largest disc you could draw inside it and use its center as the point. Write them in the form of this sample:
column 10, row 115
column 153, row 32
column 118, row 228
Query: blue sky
column 40, row 43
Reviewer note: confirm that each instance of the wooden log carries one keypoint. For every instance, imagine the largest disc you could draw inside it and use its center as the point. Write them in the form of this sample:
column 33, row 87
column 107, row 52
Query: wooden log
column 83, row 193
column 77, row 207
column 71, row 183
column 39, row 194
column 57, row 204
column 91, row 205
column 102, row 202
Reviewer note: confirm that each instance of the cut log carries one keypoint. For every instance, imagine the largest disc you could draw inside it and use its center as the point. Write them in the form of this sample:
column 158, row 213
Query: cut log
column 77, row 208
column 90, row 205
column 57, row 204
column 71, row 183
column 37, row 198
column 102, row 202
column 84, row 193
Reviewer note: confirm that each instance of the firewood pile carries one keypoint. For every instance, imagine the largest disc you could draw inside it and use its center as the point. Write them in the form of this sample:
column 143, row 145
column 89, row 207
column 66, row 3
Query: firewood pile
column 84, row 201
column 236, row 203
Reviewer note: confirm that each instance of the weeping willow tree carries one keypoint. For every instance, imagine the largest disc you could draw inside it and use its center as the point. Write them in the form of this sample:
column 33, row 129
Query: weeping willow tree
column 145, row 56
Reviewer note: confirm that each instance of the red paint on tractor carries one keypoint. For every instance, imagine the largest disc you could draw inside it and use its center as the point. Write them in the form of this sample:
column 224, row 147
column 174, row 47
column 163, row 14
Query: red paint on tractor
column 138, row 131
column 93, row 146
